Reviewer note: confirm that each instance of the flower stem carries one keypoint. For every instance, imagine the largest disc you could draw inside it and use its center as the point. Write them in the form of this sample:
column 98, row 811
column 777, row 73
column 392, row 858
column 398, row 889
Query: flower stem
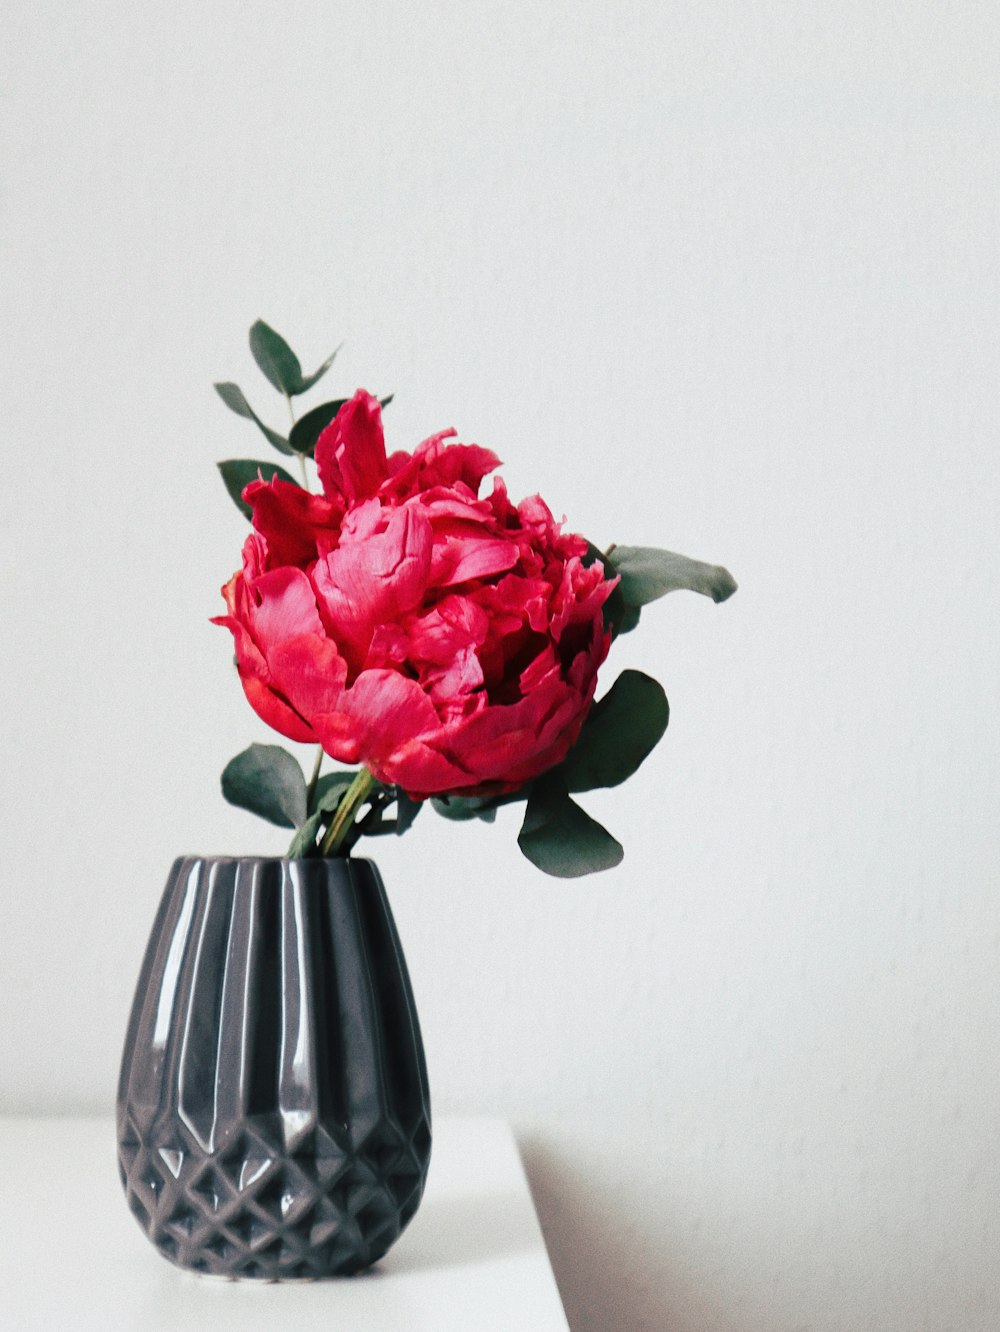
column 301, row 456
column 311, row 788
column 354, row 798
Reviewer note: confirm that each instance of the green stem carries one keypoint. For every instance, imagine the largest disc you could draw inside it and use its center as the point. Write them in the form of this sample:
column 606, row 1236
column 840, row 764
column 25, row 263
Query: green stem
column 354, row 797
column 301, row 456
column 311, row 788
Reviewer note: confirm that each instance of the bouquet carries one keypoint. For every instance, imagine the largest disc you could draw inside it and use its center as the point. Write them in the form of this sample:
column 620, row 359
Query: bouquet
column 438, row 641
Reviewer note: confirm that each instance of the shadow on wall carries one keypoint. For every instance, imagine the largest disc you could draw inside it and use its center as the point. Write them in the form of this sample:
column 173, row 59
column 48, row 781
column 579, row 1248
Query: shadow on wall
column 610, row 1264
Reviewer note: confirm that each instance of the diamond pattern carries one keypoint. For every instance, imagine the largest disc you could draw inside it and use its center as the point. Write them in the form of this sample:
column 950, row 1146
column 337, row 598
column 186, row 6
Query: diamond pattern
column 252, row 1212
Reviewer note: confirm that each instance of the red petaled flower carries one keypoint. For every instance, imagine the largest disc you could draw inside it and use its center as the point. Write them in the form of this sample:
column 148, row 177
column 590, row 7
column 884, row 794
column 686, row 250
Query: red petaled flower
column 450, row 643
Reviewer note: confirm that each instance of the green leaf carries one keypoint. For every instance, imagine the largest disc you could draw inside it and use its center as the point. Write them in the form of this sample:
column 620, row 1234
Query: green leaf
column 330, row 790
column 309, row 380
column 629, row 620
column 648, row 573
column 280, row 365
column 237, row 473
column 303, row 844
column 232, row 396
column 560, row 838
column 460, row 808
column 620, row 732
column 266, row 780
column 275, row 359
column 406, row 811
column 371, row 825
column 308, row 428
column 382, row 828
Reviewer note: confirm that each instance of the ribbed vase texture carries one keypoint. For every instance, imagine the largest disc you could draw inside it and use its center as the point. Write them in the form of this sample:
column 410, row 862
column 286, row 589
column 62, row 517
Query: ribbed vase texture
column 273, row 1109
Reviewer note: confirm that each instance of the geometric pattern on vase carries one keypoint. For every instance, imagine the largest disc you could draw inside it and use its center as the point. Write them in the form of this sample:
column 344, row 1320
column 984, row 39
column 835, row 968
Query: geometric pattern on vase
column 273, row 1109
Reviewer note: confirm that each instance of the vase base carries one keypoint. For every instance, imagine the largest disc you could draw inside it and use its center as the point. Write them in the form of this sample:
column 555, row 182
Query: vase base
column 253, row 1211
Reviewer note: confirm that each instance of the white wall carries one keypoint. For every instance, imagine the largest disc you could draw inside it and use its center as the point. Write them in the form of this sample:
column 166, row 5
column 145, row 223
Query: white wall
column 722, row 278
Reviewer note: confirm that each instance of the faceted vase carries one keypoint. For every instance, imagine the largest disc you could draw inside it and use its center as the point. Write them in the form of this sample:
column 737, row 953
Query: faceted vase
column 273, row 1109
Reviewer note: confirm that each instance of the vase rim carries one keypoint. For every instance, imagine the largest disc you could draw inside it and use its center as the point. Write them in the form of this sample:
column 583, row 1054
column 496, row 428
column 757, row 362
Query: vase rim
column 223, row 858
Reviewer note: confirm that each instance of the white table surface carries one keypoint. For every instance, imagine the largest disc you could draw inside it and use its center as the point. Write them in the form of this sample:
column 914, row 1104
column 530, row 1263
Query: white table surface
column 72, row 1257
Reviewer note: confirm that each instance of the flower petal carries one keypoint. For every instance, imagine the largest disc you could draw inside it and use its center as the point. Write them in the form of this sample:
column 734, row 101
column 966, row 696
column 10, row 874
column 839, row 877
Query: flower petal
column 292, row 521
column 350, row 453
column 462, row 558
column 380, row 578
column 436, row 462
column 312, row 672
column 380, row 713
column 285, row 607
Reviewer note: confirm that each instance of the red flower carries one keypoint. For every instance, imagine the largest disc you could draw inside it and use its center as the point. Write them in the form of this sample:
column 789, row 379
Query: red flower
column 447, row 642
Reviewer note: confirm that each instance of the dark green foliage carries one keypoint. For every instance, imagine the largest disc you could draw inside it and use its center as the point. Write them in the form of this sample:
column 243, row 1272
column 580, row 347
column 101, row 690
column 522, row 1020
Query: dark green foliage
column 279, row 364
column 620, row 732
column 303, row 844
column 406, row 811
column 647, row 574
column 560, row 838
column 266, row 780
column 232, row 396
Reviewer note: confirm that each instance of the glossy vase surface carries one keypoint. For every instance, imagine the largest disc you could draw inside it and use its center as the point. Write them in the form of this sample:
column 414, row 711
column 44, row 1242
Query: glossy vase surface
column 273, row 1108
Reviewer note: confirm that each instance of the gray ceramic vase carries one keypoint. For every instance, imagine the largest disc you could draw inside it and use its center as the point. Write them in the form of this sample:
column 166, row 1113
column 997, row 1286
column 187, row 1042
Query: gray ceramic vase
column 273, row 1109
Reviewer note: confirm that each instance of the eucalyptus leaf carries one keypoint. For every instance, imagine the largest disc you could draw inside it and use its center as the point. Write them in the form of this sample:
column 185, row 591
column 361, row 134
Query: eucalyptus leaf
column 648, row 573
column 309, row 380
column 384, row 828
column 237, row 473
column 275, row 359
column 308, row 428
column 406, row 811
column 279, row 364
column 303, row 844
column 620, row 732
column 460, row 809
column 266, row 780
column 560, row 838
column 371, row 824
column 232, row 395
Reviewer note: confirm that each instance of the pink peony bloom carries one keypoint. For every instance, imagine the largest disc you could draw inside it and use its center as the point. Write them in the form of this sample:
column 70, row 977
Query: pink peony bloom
column 448, row 643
